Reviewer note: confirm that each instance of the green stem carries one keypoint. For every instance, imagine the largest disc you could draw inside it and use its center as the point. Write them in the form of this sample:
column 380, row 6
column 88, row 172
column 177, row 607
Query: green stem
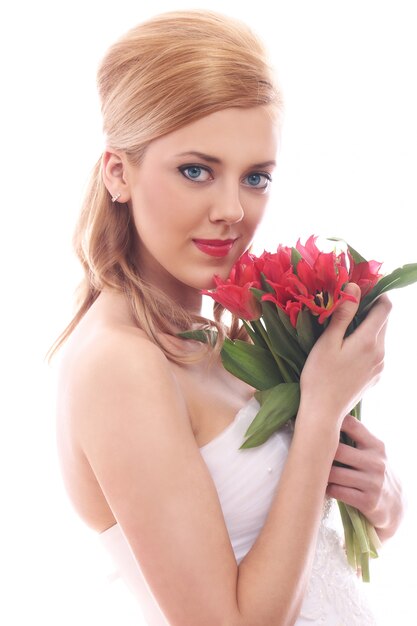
column 366, row 576
column 348, row 530
column 374, row 540
column 358, row 526
column 361, row 539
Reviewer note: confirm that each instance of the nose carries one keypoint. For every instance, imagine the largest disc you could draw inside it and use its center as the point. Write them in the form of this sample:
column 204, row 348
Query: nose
column 226, row 205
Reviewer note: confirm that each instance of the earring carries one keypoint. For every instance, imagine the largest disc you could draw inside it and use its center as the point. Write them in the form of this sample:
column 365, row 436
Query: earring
column 115, row 197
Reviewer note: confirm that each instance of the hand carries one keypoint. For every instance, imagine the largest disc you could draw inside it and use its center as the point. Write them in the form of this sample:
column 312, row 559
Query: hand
column 369, row 483
column 338, row 370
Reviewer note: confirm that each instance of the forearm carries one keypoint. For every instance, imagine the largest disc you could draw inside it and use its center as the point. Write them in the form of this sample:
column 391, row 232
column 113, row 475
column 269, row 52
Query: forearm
column 273, row 576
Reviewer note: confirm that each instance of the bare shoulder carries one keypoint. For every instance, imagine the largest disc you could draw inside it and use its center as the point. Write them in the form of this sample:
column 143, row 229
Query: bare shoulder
column 114, row 366
column 122, row 353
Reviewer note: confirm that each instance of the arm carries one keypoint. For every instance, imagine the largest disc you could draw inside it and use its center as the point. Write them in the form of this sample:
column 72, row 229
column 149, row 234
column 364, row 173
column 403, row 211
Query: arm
column 135, row 432
column 369, row 484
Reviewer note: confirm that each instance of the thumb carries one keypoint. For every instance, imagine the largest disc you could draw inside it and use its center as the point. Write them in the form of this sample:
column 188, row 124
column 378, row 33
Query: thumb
column 346, row 310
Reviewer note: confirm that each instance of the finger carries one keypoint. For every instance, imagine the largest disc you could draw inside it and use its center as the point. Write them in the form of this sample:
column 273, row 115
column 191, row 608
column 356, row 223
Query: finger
column 383, row 331
column 380, row 340
column 363, row 438
column 350, row 456
column 347, row 477
column 368, row 498
column 369, row 474
column 353, row 497
column 377, row 316
column 344, row 313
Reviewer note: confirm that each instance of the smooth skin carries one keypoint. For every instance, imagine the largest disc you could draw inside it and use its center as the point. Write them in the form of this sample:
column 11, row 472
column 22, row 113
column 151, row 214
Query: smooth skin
column 130, row 422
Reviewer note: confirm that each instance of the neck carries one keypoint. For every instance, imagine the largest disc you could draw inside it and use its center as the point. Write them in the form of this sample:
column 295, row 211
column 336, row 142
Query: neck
column 185, row 296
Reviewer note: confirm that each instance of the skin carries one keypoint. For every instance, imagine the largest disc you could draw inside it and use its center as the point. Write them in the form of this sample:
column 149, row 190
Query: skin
column 130, row 422
column 207, row 199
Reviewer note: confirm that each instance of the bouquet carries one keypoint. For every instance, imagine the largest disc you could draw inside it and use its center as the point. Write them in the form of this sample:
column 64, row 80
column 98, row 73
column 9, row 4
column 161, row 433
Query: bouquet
column 285, row 300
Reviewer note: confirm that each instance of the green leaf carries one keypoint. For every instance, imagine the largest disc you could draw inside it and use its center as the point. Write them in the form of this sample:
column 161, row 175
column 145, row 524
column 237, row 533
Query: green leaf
column 400, row 277
column 266, row 286
column 258, row 293
column 251, row 363
column 282, row 342
column 260, row 333
column 308, row 330
column 295, row 258
column 204, row 336
column 278, row 405
column 254, row 334
column 285, row 321
column 358, row 258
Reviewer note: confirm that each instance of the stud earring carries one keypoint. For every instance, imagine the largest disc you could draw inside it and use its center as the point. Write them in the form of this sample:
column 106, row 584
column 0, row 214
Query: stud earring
column 115, row 197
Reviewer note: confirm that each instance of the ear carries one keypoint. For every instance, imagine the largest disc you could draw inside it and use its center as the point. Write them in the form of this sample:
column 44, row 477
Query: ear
column 114, row 167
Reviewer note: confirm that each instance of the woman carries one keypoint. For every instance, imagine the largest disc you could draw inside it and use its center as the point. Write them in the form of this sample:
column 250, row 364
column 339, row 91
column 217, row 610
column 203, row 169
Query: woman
column 149, row 424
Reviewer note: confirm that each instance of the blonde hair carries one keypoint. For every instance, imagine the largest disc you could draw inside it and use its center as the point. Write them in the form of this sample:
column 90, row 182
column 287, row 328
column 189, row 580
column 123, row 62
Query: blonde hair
column 163, row 74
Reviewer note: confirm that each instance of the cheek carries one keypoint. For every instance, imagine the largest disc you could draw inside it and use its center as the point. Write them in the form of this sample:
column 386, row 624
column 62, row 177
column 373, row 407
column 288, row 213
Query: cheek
column 153, row 212
column 254, row 216
column 163, row 210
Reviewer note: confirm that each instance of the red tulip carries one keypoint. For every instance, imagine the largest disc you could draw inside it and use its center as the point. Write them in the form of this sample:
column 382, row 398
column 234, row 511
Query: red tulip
column 364, row 274
column 235, row 293
column 247, row 269
column 317, row 283
column 275, row 265
column 320, row 287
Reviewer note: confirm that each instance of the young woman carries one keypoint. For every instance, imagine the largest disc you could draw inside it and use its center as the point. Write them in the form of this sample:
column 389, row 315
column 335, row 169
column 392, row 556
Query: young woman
column 149, row 425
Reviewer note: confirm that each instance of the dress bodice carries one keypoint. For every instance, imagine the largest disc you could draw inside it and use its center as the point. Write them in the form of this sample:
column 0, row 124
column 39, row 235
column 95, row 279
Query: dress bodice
column 246, row 481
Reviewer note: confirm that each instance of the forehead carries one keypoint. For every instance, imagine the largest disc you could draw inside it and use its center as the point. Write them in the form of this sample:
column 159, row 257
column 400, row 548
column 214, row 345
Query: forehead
column 233, row 133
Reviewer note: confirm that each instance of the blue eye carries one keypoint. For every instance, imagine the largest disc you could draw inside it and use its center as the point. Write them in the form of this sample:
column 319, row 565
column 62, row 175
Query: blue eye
column 195, row 172
column 254, row 179
column 259, row 180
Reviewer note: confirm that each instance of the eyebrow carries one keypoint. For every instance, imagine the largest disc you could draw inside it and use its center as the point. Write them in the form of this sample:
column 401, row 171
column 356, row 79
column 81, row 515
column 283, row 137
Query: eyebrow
column 213, row 159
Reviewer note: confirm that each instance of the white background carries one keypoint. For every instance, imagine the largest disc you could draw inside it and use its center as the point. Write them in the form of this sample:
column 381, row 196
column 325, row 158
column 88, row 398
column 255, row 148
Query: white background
column 347, row 167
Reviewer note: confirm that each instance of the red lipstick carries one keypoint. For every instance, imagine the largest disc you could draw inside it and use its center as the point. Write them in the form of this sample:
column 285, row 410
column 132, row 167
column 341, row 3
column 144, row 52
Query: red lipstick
column 215, row 247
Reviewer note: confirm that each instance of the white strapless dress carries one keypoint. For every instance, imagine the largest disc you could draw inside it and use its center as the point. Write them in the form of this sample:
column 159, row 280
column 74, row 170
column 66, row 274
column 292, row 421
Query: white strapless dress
column 246, row 481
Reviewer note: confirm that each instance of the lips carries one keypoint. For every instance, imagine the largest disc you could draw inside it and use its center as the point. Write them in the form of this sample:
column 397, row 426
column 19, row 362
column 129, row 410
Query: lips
column 215, row 247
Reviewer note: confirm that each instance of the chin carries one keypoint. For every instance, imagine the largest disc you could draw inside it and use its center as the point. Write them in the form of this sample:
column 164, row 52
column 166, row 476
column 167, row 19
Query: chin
column 222, row 272
column 198, row 285
column 203, row 277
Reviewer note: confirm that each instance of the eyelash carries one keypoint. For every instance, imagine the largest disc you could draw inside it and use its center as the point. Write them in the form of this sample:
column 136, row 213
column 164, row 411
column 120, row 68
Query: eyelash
column 184, row 168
